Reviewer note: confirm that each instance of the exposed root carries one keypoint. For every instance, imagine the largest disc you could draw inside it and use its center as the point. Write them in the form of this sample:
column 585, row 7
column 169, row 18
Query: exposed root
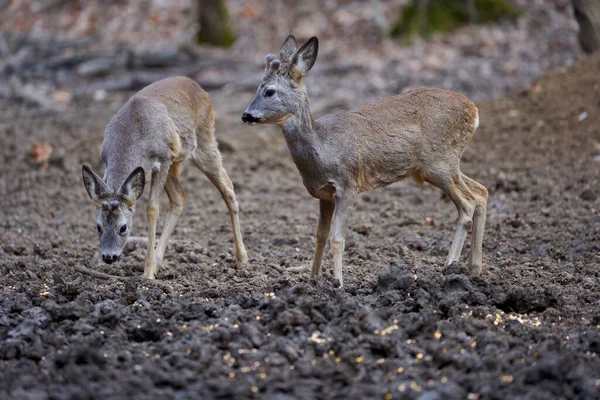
column 277, row 268
column 300, row 268
column 130, row 279
column 102, row 275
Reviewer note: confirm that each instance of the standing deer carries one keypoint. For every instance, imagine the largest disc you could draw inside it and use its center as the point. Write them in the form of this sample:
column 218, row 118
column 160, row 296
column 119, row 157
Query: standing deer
column 419, row 134
column 148, row 139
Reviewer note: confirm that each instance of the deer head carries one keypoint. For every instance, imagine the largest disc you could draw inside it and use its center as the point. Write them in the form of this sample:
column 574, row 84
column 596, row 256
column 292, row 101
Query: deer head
column 114, row 209
column 281, row 91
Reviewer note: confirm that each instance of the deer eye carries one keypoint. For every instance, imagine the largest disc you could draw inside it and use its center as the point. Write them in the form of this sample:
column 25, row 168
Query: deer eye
column 123, row 229
column 270, row 93
column 99, row 229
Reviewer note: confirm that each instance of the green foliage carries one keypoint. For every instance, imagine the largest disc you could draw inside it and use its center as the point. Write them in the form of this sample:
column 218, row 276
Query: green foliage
column 215, row 24
column 424, row 17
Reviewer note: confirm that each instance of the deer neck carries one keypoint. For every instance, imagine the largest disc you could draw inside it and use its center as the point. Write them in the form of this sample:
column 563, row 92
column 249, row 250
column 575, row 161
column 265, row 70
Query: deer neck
column 301, row 136
column 117, row 171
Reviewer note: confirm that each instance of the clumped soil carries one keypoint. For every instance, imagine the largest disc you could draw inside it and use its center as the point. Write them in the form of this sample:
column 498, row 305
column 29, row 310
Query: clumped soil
column 404, row 326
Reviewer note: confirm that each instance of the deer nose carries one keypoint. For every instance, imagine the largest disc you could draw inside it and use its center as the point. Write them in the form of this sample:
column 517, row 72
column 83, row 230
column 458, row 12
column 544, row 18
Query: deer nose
column 110, row 258
column 247, row 117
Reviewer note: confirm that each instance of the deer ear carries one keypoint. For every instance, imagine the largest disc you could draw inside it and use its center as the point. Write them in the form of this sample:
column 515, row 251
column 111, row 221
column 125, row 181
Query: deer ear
column 289, row 48
column 94, row 185
column 133, row 187
column 304, row 59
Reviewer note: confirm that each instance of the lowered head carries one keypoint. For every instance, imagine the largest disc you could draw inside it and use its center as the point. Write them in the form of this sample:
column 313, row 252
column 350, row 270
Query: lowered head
column 114, row 209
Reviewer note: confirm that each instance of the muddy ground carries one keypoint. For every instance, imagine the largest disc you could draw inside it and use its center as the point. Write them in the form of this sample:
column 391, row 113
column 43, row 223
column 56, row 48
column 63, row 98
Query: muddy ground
column 404, row 326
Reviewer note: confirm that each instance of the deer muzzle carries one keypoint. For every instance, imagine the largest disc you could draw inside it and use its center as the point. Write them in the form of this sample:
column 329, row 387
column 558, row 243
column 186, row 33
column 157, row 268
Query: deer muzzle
column 250, row 119
column 110, row 258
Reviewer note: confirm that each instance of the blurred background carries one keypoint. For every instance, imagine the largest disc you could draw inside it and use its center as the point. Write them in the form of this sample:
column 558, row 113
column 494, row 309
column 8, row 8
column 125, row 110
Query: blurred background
column 527, row 328
column 53, row 52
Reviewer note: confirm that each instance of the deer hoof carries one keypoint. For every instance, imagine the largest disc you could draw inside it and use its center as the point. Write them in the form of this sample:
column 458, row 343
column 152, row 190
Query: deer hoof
column 242, row 259
column 475, row 269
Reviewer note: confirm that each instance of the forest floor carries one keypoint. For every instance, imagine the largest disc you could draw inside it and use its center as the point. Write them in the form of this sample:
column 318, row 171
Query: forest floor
column 404, row 325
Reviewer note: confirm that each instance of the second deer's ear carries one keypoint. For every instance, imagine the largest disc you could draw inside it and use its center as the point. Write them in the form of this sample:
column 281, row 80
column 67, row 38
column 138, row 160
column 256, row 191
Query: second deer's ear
column 133, row 187
column 304, row 59
column 94, row 185
column 289, row 48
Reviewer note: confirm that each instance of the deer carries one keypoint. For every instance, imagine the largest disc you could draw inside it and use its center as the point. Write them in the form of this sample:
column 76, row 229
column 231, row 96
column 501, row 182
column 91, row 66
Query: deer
column 420, row 134
column 148, row 140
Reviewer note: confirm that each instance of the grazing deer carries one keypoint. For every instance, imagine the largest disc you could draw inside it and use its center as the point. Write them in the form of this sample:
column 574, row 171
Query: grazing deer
column 148, row 139
column 419, row 134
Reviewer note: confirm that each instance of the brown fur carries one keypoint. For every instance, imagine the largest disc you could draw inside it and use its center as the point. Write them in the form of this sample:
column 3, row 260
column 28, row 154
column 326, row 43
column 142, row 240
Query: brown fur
column 420, row 134
column 159, row 128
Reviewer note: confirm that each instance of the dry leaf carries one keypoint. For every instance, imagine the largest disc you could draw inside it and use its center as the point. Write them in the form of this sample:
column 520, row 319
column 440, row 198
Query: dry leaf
column 154, row 17
column 430, row 221
column 62, row 96
column 535, row 89
column 40, row 152
column 251, row 10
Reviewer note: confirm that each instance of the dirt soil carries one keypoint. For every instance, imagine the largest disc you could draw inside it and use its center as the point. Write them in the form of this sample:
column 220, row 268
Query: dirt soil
column 404, row 326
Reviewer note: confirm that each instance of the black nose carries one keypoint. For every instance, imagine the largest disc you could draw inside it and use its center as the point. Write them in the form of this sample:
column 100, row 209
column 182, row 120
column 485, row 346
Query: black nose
column 109, row 258
column 247, row 117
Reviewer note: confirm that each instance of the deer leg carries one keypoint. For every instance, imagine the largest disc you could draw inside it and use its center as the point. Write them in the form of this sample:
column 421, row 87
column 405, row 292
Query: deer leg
column 177, row 197
column 459, row 193
column 479, row 216
column 326, row 209
column 208, row 160
column 158, row 178
column 464, row 201
column 135, row 240
column 343, row 209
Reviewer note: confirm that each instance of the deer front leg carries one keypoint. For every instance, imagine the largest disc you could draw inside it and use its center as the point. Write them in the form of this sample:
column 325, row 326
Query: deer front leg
column 326, row 209
column 343, row 209
column 136, row 240
column 177, row 197
column 158, row 178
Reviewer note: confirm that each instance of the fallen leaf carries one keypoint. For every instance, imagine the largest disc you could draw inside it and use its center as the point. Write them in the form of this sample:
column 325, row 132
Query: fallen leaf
column 154, row 17
column 40, row 152
column 535, row 89
column 430, row 221
column 251, row 10
column 62, row 96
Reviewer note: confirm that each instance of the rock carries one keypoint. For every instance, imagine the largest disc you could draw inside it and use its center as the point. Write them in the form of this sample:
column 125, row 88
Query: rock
column 96, row 67
column 292, row 317
column 287, row 349
column 587, row 195
column 431, row 395
column 162, row 57
column 396, row 277
column 252, row 332
column 587, row 13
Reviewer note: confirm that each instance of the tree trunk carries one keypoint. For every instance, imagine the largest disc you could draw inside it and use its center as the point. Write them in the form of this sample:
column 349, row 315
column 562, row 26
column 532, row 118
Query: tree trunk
column 587, row 13
column 215, row 23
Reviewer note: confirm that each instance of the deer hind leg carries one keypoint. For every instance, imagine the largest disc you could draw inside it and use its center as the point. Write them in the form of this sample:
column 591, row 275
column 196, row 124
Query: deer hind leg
column 208, row 160
column 479, row 216
column 177, row 197
column 323, row 228
column 158, row 178
column 343, row 209
column 463, row 199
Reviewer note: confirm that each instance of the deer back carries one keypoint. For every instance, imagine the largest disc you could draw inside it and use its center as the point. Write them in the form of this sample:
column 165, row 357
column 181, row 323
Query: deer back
column 157, row 124
column 397, row 137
